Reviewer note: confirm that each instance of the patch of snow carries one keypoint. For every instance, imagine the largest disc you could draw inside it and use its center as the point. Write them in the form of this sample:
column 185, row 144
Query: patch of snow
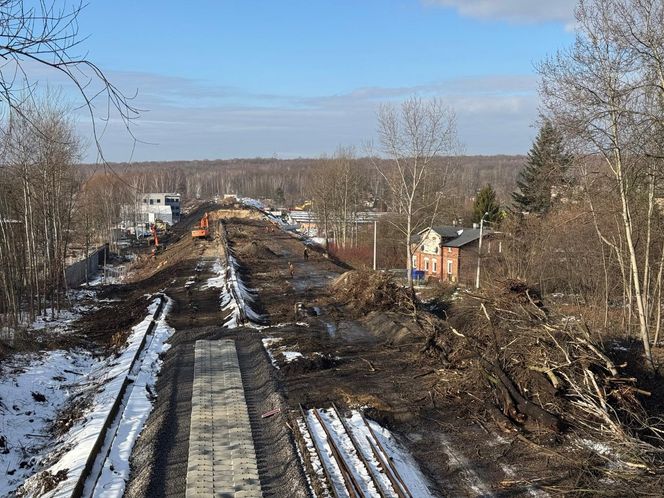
column 291, row 355
column 25, row 421
column 331, row 329
column 318, row 435
column 105, row 379
column 349, row 454
column 313, row 458
column 596, row 446
column 458, row 462
column 219, row 280
column 270, row 341
column 139, row 403
column 235, row 296
column 406, row 466
column 59, row 322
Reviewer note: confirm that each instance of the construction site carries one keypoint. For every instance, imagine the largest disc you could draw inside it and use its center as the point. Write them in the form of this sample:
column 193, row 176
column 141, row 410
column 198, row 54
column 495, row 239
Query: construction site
column 240, row 359
column 336, row 249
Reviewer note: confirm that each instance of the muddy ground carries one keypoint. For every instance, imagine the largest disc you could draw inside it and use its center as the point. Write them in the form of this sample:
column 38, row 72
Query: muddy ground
column 379, row 366
column 368, row 362
column 351, row 358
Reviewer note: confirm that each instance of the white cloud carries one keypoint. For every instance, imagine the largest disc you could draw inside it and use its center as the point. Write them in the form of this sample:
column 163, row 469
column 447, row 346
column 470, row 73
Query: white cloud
column 516, row 11
column 495, row 114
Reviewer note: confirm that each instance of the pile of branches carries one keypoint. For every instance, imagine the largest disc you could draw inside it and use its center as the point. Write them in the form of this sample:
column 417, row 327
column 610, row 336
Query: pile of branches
column 364, row 291
column 542, row 373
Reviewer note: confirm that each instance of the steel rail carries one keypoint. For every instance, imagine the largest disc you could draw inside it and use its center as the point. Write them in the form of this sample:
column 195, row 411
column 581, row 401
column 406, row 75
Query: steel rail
column 318, row 454
column 382, row 492
column 114, row 414
column 354, row 489
column 400, row 484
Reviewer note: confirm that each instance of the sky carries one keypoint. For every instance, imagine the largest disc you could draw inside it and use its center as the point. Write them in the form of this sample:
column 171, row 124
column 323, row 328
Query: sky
column 299, row 78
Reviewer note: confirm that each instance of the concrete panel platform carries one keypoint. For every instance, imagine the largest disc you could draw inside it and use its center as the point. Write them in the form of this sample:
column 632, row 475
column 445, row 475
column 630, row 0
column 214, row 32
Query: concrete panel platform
column 222, row 460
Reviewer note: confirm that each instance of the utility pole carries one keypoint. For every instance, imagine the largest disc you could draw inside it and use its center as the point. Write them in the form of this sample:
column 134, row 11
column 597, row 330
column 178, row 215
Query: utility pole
column 374, row 254
column 479, row 251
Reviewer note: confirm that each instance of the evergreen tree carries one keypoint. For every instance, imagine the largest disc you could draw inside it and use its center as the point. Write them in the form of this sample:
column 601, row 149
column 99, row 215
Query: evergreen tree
column 486, row 202
column 279, row 196
column 545, row 169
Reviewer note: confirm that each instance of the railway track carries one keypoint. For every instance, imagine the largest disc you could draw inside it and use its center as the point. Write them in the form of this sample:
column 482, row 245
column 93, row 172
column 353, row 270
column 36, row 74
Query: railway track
column 97, row 461
column 354, row 462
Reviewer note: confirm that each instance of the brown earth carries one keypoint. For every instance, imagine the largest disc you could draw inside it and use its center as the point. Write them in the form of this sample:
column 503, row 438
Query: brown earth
column 445, row 402
column 361, row 349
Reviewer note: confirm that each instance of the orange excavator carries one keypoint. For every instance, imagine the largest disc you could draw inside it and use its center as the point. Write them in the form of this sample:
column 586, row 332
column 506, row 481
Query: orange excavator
column 203, row 230
column 153, row 229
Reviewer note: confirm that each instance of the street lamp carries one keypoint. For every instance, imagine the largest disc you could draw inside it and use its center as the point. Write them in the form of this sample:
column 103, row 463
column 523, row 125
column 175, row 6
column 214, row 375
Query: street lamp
column 479, row 251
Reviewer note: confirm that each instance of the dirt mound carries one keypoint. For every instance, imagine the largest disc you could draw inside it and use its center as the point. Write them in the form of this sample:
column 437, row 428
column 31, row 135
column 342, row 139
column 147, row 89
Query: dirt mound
column 254, row 250
column 392, row 327
column 364, row 291
column 309, row 364
column 109, row 326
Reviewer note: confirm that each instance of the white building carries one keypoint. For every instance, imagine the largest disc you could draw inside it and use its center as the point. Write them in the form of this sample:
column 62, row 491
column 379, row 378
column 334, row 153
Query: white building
column 141, row 216
column 171, row 200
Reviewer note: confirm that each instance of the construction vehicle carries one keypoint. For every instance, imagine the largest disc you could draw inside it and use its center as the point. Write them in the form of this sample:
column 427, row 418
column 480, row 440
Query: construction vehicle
column 203, row 230
column 303, row 207
column 153, row 230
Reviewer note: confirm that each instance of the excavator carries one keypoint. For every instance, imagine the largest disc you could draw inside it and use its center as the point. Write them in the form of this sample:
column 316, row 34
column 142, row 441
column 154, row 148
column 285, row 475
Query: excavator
column 155, row 249
column 203, row 230
column 303, row 207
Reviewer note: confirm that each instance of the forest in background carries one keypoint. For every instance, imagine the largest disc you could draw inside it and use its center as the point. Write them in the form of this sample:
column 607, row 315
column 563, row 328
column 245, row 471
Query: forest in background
column 265, row 177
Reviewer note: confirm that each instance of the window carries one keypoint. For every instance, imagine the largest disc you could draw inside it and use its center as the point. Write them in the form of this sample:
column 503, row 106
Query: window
column 158, row 201
column 415, row 262
column 449, row 249
column 449, row 267
column 151, row 201
column 426, row 264
column 435, row 266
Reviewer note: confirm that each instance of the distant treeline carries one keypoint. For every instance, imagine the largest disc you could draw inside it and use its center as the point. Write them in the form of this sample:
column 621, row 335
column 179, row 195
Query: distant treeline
column 270, row 177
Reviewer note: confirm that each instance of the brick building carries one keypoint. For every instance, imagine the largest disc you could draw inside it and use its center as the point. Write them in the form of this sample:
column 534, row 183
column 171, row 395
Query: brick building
column 449, row 252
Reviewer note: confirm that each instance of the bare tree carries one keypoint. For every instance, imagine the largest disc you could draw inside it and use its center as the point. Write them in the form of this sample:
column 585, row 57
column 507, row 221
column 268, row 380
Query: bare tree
column 38, row 169
column 414, row 137
column 607, row 92
column 45, row 35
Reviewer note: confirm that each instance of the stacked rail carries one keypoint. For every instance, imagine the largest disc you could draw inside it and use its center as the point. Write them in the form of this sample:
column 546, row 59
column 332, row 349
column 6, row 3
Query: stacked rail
column 352, row 467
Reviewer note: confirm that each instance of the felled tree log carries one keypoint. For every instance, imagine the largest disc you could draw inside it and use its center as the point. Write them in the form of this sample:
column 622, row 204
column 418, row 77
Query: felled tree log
column 517, row 401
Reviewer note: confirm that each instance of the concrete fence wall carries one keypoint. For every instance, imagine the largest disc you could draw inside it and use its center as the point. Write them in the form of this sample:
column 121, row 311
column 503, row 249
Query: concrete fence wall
column 75, row 273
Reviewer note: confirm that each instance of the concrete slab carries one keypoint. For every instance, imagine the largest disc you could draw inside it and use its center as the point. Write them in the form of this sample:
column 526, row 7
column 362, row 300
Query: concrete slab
column 222, row 459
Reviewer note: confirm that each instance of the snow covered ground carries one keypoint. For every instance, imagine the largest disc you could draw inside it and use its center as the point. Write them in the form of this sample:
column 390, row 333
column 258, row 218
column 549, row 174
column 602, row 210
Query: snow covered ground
column 235, row 296
column 51, row 462
column 138, row 405
column 34, row 388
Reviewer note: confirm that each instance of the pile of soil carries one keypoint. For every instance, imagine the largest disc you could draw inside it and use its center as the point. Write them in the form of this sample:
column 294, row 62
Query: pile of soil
column 254, row 250
column 311, row 363
column 394, row 328
column 364, row 291
column 543, row 375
